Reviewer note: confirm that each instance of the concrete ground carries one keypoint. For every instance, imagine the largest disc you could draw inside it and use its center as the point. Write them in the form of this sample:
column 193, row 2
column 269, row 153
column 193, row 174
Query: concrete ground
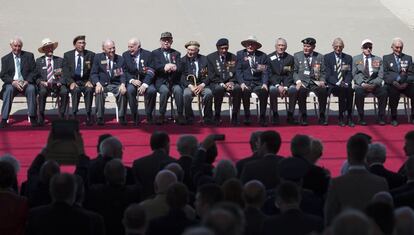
column 206, row 21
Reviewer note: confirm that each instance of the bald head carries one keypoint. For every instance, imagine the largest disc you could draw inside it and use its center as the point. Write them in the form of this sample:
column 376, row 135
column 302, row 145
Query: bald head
column 134, row 44
column 163, row 180
column 254, row 193
column 108, row 47
column 177, row 170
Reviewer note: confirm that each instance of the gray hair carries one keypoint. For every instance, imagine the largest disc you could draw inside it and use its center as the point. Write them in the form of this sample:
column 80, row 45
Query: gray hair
column 63, row 188
column 224, row 170
column 176, row 169
column 12, row 160
column 404, row 221
column 376, row 153
column 115, row 172
column 338, row 40
column 187, row 145
column 16, row 39
column 107, row 41
column 352, row 222
column 111, row 147
column 396, row 40
column 283, row 40
column 163, row 180
column 134, row 41
column 198, row 231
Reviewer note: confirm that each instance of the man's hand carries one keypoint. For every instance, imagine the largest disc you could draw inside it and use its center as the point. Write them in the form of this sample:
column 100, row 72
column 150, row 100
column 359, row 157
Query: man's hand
column 229, row 86
column 88, row 84
column 136, row 82
column 282, row 91
column 98, row 88
column 198, row 89
column 73, row 86
column 298, row 85
column 244, row 87
column 320, row 84
column 43, row 83
column 17, row 85
column 122, row 89
column 264, row 86
column 142, row 89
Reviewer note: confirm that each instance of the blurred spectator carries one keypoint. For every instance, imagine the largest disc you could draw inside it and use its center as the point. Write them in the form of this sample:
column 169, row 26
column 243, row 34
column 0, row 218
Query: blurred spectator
column 254, row 195
column 254, row 146
column 224, row 171
column 352, row 222
column 233, row 192
column 187, row 146
column 134, row 220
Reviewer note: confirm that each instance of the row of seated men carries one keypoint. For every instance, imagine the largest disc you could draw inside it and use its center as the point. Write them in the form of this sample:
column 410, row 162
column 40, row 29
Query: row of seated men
column 267, row 193
column 140, row 72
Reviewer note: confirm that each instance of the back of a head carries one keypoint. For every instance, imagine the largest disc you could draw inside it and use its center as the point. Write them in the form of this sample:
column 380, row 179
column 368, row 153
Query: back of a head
column 367, row 137
column 101, row 138
column 224, row 170
column 63, row 188
column 316, row 150
column 300, row 146
column 357, row 147
column 159, row 140
column 383, row 197
column 376, row 153
column 271, row 140
column 382, row 214
column 176, row 169
column 210, row 194
column 198, row 231
column 134, row 219
column 288, row 193
column 351, row 222
column 404, row 221
column 48, row 170
column 221, row 222
column 254, row 140
column 163, row 180
column 177, row 196
column 7, row 175
column 115, row 172
column 409, row 167
column 111, row 147
column 233, row 191
column 12, row 160
column 254, row 193
column 187, row 145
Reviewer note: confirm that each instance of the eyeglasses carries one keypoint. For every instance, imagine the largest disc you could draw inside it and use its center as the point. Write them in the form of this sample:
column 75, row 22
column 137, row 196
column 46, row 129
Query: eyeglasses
column 366, row 47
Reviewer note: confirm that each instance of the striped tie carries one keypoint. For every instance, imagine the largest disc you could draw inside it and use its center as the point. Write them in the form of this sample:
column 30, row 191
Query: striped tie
column 339, row 69
column 49, row 70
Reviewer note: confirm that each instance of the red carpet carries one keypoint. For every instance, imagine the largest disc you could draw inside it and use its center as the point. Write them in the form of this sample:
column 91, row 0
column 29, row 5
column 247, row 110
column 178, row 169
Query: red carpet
column 25, row 142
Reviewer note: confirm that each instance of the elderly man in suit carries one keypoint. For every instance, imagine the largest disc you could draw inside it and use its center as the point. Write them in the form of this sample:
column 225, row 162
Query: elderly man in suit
column 367, row 70
column 108, row 76
column 18, row 73
column 140, row 79
column 252, row 75
column 167, row 65
column 221, row 76
column 281, row 66
column 77, row 66
column 194, row 79
column 50, row 80
column 338, row 67
column 399, row 77
column 309, row 75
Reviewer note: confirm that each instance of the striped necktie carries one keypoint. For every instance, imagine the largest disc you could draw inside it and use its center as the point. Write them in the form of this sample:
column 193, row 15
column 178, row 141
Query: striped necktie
column 18, row 66
column 49, row 70
column 339, row 69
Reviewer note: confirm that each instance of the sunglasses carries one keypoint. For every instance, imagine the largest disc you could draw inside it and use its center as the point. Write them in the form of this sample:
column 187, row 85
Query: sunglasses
column 366, row 47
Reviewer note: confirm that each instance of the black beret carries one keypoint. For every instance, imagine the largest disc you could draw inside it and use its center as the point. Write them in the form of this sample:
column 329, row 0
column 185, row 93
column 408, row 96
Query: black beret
column 310, row 41
column 293, row 168
column 77, row 38
column 222, row 42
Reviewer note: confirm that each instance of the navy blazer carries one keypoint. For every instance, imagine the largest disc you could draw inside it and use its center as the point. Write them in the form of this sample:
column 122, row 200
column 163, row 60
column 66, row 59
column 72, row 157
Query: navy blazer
column 41, row 69
column 161, row 77
column 218, row 72
column 100, row 74
column 27, row 66
column 391, row 71
column 330, row 69
column 69, row 66
column 243, row 70
column 145, row 72
column 281, row 69
column 201, row 76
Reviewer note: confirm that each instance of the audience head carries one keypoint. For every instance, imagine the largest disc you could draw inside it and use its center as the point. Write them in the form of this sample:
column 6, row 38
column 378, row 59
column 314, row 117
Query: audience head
column 233, row 191
column 207, row 196
column 255, row 140
column 357, row 147
column 254, row 193
column 409, row 167
column 160, row 141
column 111, row 147
column 409, row 143
column 225, row 219
column 163, row 180
column 198, row 231
column 376, row 153
column 293, row 169
column 270, row 142
column 367, row 137
column 287, row 196
column 300, row 146
column 177, row 196
column 7, row 176
column 12, row 160
column 101, row 138
column 404, row 221
column 48, row 170
column 316, row 151
column 383, row 197
column 115, row 172
column 382, row 214
column 134, row 220
column 187, row 145
column 352, row 222
column 176, row 169
column 224, row 170
column 63, row 188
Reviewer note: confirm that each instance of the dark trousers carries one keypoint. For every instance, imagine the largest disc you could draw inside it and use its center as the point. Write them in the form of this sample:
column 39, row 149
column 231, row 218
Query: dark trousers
column 10, row 92
column 274, row 93
column 207, row 99
column 345, row 98
column 380, row 92
column 394, row 98
column 87, row 97
column 245, row 96
column 321, row 93
column 121, row 100
column 177, row 91
column 218, row 94
column 61, row 91
column 150, row 97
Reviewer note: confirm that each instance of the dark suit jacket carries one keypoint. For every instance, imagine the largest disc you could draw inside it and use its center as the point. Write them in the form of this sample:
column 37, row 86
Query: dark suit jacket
column 254, row 220
column 394, row 180
column 404, row 195
column 41, row 69
column 219, row 72
column 145, row 73
column 281, row 69
column 300, row 68
column 69, row 66
column 174, row 223
column 61, row 218
column 292, row 222
column 95, row 172
column 391, row 71
column 13, row 213
column 100, row 74
column 358, row 71
column 242, row 163
column 263, row 169
column 186, row 162
column 27, row 66
column 317, row 180
column 330, row 69
column 146, row 168
column 201, row 76
column 244, row 72
column 161, row 77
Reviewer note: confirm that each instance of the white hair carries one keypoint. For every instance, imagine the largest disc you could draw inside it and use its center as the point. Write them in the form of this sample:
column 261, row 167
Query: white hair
column 16, row 39
column 395, row 40
column 12, row 160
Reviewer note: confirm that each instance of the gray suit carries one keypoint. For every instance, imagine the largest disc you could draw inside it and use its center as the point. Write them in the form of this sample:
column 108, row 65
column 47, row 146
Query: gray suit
column 308, row 74
column 376, row 78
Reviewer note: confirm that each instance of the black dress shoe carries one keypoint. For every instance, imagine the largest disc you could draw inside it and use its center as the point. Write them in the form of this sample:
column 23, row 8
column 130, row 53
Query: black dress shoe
column 100, row 122
column 89, row 121
column 290, row 120
column 304, row 120
column 33, row 122
column 208, row 121
column 135, row 118
column 41, row 121
column 3, row 123
column 181, row 120
column 394, row 122
column 123, row 121
column 275, row 119
column 350, row 122
column 263, row 121
column 217, row 120
column 362, row 122
column 247, row 121
column 161, row 120
column 341, row 123
column 235, row 121
column 381, row 121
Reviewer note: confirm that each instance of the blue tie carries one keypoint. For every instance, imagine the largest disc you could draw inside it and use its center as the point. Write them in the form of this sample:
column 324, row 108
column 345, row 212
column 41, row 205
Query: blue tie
column 78, row 69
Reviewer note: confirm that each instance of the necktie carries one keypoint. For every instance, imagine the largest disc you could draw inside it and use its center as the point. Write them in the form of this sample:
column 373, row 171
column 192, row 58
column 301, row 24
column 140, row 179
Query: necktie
column 167, row 56
column 78, row 70
column 339, row 69
column 19, row 72
column 109, row 67
column 193, row 67
column 49, row 70
column 223, row 59
column 366, row 70
column 308, row 65
column 398, row 62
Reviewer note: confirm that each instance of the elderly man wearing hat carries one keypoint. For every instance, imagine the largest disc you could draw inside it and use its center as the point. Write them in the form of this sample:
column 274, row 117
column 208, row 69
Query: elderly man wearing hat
column 167, row 65
column 49, row 79
column 18, row 73
column 309, row 75
column 221, row 76
column 368, row 73
column 252, row 75
column 77, row 64
column 194, row 79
